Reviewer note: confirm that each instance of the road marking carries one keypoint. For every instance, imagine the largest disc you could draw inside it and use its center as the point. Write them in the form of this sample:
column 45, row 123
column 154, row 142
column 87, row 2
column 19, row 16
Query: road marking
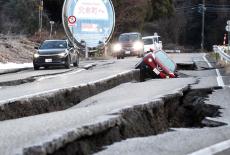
column 58, row 89
column 219, row 77
column 216, row 148
column 69, row 73
column 60, row 75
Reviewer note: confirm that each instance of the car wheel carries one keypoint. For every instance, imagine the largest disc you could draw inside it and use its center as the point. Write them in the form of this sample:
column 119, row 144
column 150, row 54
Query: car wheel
column 118, row 57
column 67, row 63
column 46, row 67
column 76, row 64
column 36, row 67
column 142, row 67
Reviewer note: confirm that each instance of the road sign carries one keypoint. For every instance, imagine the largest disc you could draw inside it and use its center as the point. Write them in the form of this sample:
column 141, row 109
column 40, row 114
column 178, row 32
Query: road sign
column 72, row 20
column 228, row 22
column 95, row 21
column 227, row 28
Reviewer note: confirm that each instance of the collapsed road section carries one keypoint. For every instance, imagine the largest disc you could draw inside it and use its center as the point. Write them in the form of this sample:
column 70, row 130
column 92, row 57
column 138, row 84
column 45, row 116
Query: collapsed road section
column 122, row 112
column 62, row 99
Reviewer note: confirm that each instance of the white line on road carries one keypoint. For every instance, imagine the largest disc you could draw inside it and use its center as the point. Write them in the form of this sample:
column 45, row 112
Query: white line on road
column 219, row 77
column 60, row 75
column 213, row 149
column 69, row 73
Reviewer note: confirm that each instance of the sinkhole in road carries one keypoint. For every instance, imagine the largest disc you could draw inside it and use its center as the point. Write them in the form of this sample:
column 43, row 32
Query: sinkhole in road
column 186, row 109
column 146, row 73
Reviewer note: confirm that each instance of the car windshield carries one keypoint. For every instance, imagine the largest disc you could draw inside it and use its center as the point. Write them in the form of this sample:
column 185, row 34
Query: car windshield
column 128, row 37
column 54, row 45
column 165, row 60
column 148, row 41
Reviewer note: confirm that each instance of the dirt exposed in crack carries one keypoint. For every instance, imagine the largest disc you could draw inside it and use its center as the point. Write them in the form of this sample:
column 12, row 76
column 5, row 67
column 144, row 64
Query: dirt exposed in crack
column 186, row 109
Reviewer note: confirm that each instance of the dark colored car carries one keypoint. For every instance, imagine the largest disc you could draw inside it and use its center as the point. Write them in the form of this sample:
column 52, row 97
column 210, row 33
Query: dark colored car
column 55, row 53
column 129, row 44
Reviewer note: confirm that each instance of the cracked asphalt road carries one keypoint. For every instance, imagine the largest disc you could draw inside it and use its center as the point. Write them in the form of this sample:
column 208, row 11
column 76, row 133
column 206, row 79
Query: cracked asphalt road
column 69, row 79
column 19, row 133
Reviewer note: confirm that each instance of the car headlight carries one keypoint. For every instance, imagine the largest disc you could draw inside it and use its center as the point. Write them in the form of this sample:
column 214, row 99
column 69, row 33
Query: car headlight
column 117, row 47
column 138, row 46
column 36, row 55
column 62, row 54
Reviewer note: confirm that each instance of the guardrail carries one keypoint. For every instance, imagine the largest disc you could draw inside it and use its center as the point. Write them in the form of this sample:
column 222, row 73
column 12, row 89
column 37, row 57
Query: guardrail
column 222, row 53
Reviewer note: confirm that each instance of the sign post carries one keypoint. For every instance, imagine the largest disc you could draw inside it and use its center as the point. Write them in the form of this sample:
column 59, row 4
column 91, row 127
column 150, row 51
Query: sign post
column 51, row 28
column 227, row 28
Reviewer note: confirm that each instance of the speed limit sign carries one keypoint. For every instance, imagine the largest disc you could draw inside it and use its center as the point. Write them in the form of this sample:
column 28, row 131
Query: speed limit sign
column 72, row 20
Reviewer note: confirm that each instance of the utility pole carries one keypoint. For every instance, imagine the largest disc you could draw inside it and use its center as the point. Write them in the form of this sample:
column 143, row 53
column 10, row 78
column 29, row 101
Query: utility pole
column 40, row 15
column 203, row 26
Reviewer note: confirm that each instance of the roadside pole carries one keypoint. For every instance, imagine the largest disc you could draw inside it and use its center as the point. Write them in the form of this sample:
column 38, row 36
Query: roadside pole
column 71, row 23
column 86, row 51
column 40, row 17
column 228, row 40
column 106, row 50
column 203, row 26
column 227, row 28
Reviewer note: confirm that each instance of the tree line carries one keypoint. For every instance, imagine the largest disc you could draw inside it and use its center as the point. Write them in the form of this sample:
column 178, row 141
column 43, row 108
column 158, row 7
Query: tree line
column 178, row 22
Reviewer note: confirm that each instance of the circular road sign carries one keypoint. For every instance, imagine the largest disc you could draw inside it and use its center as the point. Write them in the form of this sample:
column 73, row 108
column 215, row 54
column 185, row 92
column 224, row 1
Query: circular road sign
column 72, row 20
column 227, row 28
column 93, row 24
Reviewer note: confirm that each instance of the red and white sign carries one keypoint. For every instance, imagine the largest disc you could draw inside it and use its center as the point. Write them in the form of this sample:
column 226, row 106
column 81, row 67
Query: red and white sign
column 91, row 9
column 72, row 20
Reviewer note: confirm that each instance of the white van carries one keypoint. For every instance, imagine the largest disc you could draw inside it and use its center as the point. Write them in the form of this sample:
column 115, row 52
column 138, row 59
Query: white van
column 152, row 42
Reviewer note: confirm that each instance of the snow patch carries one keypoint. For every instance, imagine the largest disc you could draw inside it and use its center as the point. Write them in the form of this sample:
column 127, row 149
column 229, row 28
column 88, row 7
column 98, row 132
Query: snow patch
column 15, row 66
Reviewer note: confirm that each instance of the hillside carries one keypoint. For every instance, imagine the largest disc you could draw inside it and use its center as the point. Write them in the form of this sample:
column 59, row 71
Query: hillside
column 15, row 49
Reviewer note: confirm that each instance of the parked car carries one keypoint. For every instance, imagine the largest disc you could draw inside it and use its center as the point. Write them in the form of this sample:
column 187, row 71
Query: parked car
column 152, row 42
column 129, row 44
column 55, row 53
column 157, row 64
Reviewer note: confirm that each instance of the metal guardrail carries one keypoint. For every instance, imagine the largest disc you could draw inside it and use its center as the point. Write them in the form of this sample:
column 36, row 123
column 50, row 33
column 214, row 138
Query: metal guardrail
column 221, row 52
